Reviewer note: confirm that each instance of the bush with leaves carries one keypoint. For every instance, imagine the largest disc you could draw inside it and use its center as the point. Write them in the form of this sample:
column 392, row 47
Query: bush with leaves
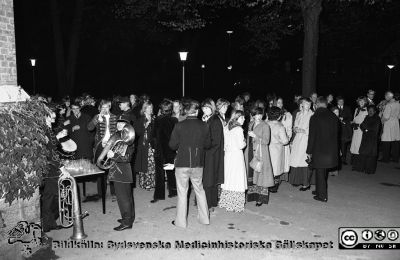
column 23, row 151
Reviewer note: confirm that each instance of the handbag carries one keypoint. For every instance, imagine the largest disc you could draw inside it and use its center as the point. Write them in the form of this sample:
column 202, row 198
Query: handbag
column 256, row 163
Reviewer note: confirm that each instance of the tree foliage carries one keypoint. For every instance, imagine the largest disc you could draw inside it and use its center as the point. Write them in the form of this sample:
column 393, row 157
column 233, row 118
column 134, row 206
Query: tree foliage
column 23, row 150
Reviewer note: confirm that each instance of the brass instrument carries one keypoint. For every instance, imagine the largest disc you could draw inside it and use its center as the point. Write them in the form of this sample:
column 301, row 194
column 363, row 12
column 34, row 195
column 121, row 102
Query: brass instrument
column 70, row 212
column 125, row 136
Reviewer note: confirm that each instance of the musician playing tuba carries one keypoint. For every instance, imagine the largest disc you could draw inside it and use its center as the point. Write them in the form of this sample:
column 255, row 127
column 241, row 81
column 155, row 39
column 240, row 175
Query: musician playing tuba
column 105, row 124
column 121, row 174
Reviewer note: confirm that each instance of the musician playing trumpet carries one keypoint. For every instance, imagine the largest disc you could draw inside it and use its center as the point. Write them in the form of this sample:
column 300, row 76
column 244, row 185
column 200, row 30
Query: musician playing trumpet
column 121, row 174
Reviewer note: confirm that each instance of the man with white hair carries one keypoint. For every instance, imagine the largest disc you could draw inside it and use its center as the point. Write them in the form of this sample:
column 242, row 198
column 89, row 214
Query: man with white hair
column 391, row 132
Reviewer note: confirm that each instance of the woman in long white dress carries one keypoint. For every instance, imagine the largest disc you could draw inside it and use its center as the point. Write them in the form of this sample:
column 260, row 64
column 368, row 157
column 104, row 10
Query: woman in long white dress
column 299, row 172
column 235, row 182
column 359, row 115
column 287, row 121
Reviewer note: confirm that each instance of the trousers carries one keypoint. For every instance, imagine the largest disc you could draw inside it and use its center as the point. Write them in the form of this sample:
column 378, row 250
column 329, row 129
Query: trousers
column 195, row 175
column 321, row 183
column 126, row 203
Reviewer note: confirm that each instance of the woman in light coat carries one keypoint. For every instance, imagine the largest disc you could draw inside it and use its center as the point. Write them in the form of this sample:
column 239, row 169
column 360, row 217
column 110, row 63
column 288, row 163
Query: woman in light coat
column 287, row 121
column 276, row 146
column 300, row 174
column 359, row 115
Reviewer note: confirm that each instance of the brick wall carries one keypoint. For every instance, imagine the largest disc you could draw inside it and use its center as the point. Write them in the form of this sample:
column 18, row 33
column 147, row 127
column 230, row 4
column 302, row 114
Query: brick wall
column 8, row 66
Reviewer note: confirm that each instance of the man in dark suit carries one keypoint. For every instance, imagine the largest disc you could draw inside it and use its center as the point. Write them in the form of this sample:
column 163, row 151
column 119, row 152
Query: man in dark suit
column 345, row 117
column 190, row 138
column 322, row 146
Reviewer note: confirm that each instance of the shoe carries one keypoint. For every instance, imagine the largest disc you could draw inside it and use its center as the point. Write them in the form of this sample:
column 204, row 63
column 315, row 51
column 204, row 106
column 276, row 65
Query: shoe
column 295, row 185
column 314, row 192
column 305, row 188
column 273, row 189
column 48, row 229
column 172, row 195
column 153, row 201
column 122, row 227
column 113, row 198
column 319, row 199
column 258, row 204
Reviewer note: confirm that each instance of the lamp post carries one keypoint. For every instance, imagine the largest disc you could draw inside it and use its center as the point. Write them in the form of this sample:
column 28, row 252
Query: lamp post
column 203, row 67
column 183, row 56
column 390, row 66
column 229, row 32
column 33, row 64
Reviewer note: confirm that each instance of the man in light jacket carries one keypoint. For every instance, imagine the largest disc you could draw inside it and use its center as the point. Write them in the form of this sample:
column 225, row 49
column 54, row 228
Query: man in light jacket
column 391, row 132
column 190, row 138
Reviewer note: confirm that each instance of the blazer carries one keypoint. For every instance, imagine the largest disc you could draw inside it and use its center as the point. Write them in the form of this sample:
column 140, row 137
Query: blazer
column 101, row 127
column 190, row 138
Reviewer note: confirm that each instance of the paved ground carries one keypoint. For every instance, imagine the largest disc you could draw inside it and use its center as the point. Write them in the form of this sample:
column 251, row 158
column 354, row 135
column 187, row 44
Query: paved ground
column 355, row 199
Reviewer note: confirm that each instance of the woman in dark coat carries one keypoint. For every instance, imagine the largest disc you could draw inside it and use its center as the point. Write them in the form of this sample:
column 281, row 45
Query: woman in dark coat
column 144, row 161
column 369, row 143
column 163, row 126
column 213, row 173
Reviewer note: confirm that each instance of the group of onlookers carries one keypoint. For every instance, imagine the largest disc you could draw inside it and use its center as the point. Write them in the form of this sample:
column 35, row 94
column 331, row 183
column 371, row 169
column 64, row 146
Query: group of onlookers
column 240, row 151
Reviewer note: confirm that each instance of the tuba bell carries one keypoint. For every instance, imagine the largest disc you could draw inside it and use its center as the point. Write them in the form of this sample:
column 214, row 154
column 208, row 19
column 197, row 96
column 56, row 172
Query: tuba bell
column 125, row 136
column 69, row 209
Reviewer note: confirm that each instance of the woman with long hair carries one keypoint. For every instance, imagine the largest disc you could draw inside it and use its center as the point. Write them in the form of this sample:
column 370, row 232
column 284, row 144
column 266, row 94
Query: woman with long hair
column 222, row 107
column 259, row 137
column 177, row 110
column 213, row 172
column 287, row 121
column 144, row 161
column 359, row 115
column 235, row 183
column 300, row 174
column 163, row 126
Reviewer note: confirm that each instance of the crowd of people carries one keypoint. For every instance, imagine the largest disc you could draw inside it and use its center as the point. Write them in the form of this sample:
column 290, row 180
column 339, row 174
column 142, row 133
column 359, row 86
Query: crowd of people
column 232, row 152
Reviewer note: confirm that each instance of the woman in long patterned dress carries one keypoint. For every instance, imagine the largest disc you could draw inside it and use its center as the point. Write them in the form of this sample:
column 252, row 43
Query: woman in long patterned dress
column 300, row 174
column 359, row 115
column 260, row 134
column 235, row 183
column 144, row 163
column 287, row 121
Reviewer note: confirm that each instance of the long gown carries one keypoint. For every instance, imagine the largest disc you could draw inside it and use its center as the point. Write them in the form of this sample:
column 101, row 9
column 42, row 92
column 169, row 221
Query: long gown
column 287, row 122
column 235, row 182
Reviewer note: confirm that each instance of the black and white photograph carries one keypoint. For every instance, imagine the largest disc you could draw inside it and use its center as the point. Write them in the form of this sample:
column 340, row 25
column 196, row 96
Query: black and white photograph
column 199, row 129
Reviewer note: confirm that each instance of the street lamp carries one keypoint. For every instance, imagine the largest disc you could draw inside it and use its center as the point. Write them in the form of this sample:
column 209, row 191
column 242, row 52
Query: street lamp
column 390, row 66
column 229, row 32
column 183, row 56
column 33, row 64
column 203, row 67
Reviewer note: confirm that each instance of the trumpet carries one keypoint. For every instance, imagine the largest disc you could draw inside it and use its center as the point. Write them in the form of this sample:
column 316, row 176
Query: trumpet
column 115, row 144
column 69, row 208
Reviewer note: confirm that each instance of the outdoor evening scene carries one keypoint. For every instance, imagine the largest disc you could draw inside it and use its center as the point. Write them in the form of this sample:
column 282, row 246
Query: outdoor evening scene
column 199, row 129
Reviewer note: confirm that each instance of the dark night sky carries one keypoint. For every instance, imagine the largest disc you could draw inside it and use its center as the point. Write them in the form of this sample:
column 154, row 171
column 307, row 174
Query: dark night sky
column 107, row 66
